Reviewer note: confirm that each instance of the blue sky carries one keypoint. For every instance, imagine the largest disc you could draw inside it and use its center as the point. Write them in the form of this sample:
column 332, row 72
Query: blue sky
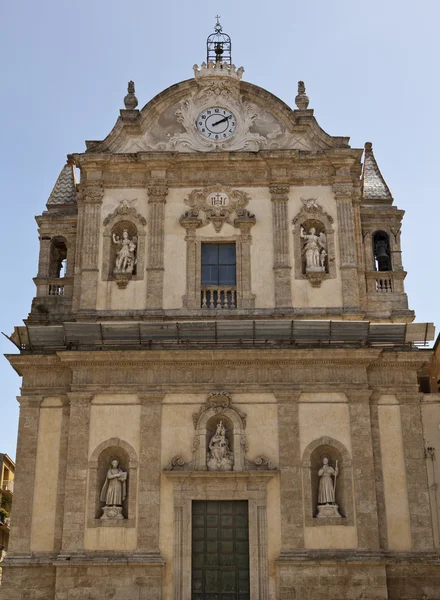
column 371, row 70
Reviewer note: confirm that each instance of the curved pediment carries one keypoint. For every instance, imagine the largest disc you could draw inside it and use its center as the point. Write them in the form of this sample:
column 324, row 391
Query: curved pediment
column 252, row 118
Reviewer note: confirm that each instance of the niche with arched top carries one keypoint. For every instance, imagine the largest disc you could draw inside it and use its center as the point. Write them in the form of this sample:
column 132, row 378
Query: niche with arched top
column 124, row 238
column 381, row 251
column 311, row 464
column 99, row 465
column 123, row 250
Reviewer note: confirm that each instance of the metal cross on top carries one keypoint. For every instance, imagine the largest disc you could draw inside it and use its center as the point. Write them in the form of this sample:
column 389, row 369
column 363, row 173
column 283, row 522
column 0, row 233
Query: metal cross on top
column 218, row 27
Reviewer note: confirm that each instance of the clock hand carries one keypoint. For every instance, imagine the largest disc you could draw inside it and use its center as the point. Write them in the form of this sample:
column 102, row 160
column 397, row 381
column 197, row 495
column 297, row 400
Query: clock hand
column 221, row 121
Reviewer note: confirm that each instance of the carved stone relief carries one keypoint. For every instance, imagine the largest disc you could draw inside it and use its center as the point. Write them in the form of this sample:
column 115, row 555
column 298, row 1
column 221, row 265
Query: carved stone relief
column 314, row 248
column 220, row 441
column 217, row 204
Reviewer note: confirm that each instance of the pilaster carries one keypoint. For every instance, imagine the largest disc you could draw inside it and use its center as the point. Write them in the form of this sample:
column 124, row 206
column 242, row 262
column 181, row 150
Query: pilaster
column 378, row 470
column 91, row 219
column 363, row 469
column 62, row 468
column 347, row 246
column 76, row 472
column 244, row 281
column 25, row 476
column 191, row 299
column 280, row 231
column 292, row 517
column 416, row 476
column 156, row 234
column 149, row 473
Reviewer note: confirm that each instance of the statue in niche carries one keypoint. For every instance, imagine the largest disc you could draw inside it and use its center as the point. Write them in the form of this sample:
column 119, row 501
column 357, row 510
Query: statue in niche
column 327, row 506
column 114, row 492
column 219, row 456
column 314, row 248
column 125, row 257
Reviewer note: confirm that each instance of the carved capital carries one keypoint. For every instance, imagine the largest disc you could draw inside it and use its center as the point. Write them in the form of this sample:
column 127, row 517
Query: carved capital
column 359, row 396
column 92, row 194
column 80, row 398
column 343, row 189
column 157, row 193
column 151, row 398
column 30, row 401
column 279, row 191
column 409, row 398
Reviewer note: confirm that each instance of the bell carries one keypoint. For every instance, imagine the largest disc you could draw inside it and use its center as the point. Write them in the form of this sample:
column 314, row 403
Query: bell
column 218, row 51
column 381, row 250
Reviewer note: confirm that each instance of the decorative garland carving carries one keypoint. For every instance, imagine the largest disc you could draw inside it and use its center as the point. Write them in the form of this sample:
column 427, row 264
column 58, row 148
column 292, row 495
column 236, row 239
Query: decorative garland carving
column 216, row 204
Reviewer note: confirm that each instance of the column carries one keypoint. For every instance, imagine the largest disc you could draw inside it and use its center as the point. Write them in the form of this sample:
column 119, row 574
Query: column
column 363, row 469
column 292, row 517
column 156, row 234
column 89, row 245
column 149, row 473
column 416, row 476
column 75, row 500
column 347, row 245
column 280, row 233
column 24, row 481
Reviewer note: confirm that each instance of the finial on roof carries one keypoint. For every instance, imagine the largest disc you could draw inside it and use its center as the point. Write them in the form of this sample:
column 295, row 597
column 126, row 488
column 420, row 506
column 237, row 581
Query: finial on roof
column 130, row 100
column 368, row 146
column 302, row 100
column 70, row 160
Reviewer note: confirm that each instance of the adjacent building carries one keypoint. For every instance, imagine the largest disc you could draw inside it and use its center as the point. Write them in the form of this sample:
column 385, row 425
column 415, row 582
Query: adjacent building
column 220, row 397
column 7, row 470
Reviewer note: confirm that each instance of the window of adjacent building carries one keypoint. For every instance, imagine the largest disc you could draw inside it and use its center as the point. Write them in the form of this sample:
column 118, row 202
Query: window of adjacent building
column 218, row 265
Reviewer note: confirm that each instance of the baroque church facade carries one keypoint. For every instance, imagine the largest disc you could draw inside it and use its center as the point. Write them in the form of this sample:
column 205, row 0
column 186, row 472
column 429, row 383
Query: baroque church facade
column 220, row 396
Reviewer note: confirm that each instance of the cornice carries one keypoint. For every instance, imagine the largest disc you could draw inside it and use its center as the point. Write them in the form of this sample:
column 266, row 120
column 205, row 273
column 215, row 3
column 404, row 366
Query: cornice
column 242, row 357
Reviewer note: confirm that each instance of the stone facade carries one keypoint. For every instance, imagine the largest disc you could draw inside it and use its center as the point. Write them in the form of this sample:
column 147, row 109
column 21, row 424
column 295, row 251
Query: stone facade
column 157, row 371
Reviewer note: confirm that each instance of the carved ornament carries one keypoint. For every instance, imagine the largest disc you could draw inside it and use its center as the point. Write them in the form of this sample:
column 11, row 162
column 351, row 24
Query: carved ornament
column 92, row 194
column 125, row 208
column 343, row 190
column 279, row 190
column 219, row 401
column 157, row 191
column 216, row 204
column 311, row 209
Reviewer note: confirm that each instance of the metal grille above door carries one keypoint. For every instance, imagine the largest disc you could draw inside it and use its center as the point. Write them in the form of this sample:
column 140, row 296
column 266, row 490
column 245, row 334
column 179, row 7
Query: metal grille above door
column 220, row 550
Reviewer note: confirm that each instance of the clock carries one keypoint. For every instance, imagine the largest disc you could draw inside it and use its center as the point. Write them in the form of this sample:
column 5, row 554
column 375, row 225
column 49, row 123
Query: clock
column 216, row 123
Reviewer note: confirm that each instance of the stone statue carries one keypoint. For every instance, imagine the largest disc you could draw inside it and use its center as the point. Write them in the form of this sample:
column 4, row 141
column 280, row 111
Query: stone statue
column 114, row 492
column 327, row 506
column 314, row 249
column 219, row 456
column 125, row 257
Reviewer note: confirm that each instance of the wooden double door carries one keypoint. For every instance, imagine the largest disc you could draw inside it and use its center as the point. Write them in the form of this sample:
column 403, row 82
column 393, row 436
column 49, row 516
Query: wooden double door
column 220, row 550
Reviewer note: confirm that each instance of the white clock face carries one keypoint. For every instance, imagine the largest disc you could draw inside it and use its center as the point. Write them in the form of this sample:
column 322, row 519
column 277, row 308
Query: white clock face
column 216, row 123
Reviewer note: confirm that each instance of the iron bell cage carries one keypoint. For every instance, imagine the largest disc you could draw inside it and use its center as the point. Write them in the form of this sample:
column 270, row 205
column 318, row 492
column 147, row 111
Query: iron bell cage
column 218, row 46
